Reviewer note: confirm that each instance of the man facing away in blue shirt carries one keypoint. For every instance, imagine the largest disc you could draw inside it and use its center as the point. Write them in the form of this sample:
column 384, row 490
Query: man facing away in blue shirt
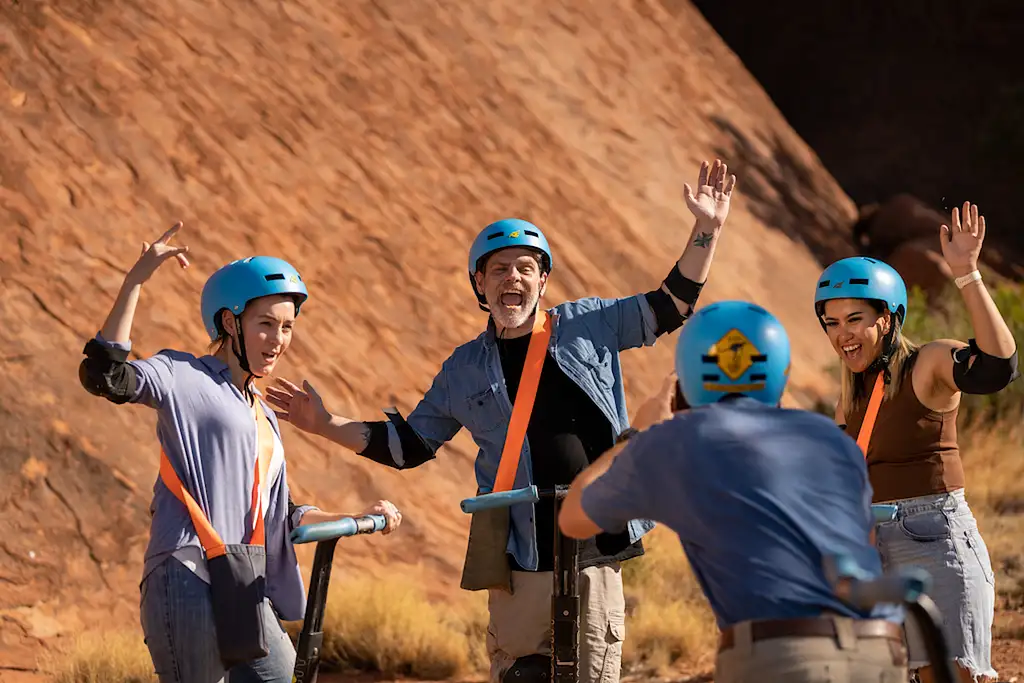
column 758, row 495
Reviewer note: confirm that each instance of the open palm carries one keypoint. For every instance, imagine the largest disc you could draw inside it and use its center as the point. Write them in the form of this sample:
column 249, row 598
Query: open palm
column 303, row 409
column 961, row 244
column 710, row 205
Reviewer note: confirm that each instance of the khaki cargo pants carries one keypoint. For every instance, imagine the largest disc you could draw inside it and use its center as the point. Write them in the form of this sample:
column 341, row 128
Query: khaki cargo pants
column 846, row 659
column 520, row 623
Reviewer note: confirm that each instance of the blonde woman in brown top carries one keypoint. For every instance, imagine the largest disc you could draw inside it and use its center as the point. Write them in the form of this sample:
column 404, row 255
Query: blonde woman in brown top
column 900, row 401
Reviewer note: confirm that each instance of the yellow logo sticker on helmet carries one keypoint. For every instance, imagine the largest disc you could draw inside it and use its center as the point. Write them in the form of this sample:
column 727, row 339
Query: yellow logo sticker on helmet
column 514, row 235
column 734, row 354
column 292, row 279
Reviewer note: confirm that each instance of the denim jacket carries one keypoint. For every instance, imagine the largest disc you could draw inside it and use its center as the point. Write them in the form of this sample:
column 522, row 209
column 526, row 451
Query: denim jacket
column 469, row 391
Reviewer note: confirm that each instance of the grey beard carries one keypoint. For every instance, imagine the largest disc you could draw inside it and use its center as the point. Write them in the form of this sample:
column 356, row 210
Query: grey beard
column 514, row 319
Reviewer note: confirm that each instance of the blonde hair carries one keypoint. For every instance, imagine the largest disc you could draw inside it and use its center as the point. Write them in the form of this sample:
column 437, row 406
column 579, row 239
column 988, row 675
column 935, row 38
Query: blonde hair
column 853, row 393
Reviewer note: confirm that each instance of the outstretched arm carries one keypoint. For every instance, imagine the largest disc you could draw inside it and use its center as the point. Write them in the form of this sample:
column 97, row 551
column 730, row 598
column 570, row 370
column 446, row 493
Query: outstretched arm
column 394, row 442
column 987, row 363
column 674, row 301
column 105, row 371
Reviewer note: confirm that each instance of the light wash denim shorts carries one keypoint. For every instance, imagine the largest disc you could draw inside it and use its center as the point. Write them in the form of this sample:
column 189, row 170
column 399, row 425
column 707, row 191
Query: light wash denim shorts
column 940, row 534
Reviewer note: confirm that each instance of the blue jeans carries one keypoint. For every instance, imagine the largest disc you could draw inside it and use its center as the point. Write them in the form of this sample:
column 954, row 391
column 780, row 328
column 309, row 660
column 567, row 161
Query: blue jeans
column 940, row 534
column 177, row 620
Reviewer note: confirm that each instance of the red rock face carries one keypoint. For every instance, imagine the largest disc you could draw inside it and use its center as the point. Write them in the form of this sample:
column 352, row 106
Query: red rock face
column 367, row 143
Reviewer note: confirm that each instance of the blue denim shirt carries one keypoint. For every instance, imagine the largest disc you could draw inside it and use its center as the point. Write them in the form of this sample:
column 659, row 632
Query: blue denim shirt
column 469, row 391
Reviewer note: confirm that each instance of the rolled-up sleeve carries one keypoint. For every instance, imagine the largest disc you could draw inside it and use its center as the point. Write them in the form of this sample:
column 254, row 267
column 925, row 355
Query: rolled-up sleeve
column 630, row 319
column 154, row 377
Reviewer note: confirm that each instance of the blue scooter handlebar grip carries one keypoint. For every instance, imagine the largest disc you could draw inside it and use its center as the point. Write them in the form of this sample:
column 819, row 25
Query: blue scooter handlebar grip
column 488, row 501
column 347, row 526
column 883, row 512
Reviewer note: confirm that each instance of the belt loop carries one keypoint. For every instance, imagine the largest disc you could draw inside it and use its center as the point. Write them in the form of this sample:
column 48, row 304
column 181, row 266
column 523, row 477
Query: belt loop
column 846, row 637
column 743, row 638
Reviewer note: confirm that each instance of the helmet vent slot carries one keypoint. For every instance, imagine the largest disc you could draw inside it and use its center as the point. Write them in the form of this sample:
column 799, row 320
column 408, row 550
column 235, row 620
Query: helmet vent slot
column 858, row 281
column 274, row 276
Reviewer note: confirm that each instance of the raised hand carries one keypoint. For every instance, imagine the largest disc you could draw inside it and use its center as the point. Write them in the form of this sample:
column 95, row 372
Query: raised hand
column 303, row 409
column 658, row 407
column 153, row 255
column 961, row 244
column 714, row 191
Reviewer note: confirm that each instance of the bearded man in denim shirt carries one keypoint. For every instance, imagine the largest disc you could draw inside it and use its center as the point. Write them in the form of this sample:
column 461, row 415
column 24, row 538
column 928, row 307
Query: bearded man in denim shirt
column 578, row 412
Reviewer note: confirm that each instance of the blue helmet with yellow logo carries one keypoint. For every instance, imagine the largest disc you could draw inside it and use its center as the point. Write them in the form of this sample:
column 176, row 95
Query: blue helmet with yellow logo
column 861, row 277
column 508, row 232
column 732, row 347
column 234, row 285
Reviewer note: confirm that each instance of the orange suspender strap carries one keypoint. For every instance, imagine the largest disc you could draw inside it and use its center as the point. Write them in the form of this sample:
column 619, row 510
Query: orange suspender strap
column 208, row 536
column 523, row 406
column 864, row 435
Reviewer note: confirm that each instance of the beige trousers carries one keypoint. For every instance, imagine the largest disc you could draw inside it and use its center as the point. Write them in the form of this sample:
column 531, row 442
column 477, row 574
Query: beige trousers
column 520, row 623
column 806, row 660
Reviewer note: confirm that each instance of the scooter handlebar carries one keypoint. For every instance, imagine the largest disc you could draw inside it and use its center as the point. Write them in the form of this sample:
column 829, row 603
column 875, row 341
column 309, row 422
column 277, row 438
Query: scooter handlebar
column 346, row 526
column 855, row 587
column 489, row 501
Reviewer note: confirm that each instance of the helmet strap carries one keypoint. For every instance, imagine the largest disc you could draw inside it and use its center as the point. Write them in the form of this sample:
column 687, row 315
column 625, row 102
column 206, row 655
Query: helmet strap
column 888, row 348
column 243, row 361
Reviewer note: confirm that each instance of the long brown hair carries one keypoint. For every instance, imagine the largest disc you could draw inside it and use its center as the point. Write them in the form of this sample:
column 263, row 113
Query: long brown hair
column 853, row 392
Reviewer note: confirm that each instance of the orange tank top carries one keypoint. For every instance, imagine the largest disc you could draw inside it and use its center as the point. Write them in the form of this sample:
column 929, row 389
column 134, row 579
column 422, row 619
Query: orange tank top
column 913, row 450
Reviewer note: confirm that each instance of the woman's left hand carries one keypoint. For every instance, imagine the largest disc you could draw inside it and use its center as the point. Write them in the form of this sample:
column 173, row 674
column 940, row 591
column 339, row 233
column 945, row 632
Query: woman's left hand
column 961, row 244
column 391, row 513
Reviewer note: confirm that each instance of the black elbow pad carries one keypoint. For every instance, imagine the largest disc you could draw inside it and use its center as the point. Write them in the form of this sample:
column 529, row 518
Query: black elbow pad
column 105, row 372
column 415, row 450
column 377, row 447
column 667, row 316
column 986, row 374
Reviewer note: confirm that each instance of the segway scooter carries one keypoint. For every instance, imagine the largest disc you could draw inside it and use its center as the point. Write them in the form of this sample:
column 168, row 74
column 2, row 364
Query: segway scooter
column 908, row 587
column 325, row 535
column 565, row 595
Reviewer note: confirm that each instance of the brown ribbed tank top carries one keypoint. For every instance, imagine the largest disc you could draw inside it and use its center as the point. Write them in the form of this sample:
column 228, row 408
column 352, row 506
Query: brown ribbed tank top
column 913, row 449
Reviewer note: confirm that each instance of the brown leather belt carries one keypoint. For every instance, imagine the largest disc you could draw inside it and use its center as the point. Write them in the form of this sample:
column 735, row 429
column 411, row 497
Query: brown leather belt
column 817, row 627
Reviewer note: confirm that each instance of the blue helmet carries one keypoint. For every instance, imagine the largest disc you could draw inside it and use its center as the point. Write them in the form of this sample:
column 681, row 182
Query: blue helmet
column 732, row 347
column 508, row 232
column 860, row 277
column 234, row 285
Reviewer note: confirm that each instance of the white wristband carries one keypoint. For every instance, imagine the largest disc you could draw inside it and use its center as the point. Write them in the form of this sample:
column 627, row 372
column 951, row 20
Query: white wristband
column 965, row 280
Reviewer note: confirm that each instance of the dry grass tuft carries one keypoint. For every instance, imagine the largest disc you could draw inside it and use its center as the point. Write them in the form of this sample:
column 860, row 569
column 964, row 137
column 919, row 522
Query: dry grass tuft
column 107, row 657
